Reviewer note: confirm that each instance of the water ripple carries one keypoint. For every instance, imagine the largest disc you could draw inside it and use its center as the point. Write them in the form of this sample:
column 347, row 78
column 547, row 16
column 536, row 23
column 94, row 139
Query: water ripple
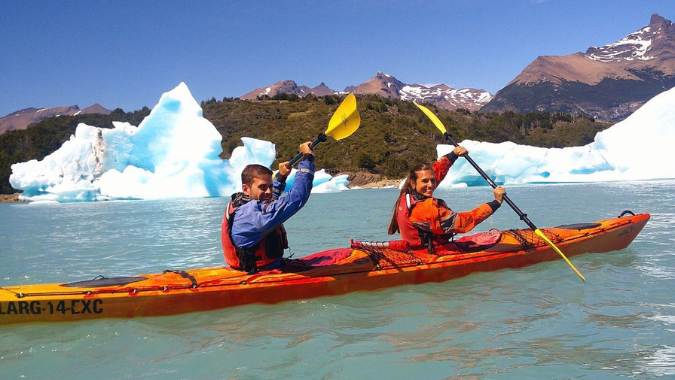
column 534, row 322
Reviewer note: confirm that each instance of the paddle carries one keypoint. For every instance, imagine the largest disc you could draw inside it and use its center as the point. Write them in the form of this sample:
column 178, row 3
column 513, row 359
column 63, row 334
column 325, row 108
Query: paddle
column 489, row 180
column 345, row 121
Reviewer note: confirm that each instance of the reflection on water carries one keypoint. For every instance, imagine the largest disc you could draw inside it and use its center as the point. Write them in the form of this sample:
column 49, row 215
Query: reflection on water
column 534, row 322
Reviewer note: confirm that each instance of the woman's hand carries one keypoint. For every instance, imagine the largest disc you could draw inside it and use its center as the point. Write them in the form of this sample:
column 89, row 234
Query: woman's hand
column 499, row 193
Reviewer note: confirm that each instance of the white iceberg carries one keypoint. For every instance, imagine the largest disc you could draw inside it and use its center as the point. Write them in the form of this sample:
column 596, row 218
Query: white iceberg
column 638, row 148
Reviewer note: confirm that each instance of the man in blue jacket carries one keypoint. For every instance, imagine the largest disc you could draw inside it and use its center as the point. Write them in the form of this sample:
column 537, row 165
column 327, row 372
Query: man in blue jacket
column 253, row 235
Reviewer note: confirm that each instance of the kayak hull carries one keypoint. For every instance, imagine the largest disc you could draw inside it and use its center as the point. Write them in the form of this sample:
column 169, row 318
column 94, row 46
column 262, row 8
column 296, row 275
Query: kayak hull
column 177, row 292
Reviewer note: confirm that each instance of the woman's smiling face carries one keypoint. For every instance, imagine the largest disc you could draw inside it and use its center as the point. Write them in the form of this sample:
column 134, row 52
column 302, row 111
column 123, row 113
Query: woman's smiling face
column 425, row 183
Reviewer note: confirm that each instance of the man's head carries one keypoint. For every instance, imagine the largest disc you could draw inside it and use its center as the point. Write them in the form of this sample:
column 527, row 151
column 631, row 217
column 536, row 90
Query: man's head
column 256, row 182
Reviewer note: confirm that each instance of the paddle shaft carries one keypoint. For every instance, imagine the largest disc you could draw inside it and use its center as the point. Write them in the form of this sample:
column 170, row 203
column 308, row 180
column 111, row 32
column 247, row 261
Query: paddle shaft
column 515, row 208
column 321, row 138
column 489, row 180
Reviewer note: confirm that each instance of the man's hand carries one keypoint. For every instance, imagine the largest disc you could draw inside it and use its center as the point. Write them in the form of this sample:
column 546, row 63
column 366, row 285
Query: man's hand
column 306, row 148
column 284, row 169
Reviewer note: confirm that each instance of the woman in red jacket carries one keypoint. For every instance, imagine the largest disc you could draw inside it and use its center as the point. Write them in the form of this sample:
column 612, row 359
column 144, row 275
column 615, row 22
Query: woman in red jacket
column 424, row 220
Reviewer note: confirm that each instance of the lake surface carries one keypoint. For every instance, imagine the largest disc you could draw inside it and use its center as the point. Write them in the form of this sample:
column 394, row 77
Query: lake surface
column 539, row 322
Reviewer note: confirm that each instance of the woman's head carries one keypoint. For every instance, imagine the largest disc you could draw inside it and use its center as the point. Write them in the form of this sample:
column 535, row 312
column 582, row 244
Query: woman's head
column 421, row 179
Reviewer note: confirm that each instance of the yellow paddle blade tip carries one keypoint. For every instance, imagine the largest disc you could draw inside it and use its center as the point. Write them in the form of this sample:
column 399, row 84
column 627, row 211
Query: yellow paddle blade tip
column 345, row 120
column 434, row 119
column 550, row 243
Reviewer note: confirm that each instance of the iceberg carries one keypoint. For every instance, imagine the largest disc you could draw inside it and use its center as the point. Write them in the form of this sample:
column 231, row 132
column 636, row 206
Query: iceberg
column 637, row 148
column 173, row 153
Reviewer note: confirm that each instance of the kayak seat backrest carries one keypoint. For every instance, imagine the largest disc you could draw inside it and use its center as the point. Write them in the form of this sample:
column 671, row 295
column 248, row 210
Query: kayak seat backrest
column 103, row 281
column 479, row 241
column 579, row 226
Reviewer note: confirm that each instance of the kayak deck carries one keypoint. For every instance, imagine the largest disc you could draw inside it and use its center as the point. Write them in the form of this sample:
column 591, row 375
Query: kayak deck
column 332, row 272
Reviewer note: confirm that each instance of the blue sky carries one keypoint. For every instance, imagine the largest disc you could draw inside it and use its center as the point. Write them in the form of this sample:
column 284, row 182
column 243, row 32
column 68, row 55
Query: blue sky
column 127, row 53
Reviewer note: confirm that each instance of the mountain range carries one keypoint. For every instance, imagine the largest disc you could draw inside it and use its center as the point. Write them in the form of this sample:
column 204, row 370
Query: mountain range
column 22, row 119
column 608, row 82
column 387, row 86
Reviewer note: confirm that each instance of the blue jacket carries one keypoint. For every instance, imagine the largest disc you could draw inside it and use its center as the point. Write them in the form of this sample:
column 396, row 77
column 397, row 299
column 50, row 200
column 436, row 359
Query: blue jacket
column 255, row 219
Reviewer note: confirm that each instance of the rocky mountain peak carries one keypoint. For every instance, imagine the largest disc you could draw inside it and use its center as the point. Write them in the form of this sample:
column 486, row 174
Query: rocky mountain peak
column 381, row 84
column 22, row 119
column 658, row 21
column 322, row 90
column 648, row 43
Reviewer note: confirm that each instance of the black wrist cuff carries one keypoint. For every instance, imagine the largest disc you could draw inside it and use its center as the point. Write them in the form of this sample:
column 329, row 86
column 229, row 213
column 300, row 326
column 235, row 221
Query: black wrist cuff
column 308, row 157
column 452, row 157
column 494, row 205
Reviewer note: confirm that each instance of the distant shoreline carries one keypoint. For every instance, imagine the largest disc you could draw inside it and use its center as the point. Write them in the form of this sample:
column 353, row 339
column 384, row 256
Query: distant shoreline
column 367, row 180
column 379, row 184
column 10, row 198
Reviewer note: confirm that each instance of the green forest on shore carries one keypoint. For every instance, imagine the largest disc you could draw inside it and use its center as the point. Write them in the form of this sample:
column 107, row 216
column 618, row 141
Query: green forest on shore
column 394, row 134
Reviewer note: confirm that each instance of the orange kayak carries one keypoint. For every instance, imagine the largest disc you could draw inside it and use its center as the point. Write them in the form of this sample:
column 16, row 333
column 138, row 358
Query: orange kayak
column 364, row 267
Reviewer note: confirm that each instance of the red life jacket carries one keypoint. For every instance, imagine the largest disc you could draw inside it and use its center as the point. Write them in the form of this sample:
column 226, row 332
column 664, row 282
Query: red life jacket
column 268, row 250
column 408, row 232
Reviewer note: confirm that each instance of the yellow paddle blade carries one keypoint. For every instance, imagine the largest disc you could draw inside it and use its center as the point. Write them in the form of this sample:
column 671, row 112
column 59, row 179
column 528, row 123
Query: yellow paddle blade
column 346, row 119
column 541, row 235
column 433, row 117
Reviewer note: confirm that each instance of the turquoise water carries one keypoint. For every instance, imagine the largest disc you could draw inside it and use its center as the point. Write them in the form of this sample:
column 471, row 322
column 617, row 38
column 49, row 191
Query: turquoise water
column 539, row 322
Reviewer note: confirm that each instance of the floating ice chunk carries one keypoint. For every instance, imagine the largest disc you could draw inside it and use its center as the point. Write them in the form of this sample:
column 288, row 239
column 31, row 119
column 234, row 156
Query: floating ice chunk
column 320, row 177
column 326, row 187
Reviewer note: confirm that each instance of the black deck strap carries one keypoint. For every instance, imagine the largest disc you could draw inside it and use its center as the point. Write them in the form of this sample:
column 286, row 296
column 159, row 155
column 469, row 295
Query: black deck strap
column 101, row 281
column 626, row 212
column 579, row 226
column 184, row 274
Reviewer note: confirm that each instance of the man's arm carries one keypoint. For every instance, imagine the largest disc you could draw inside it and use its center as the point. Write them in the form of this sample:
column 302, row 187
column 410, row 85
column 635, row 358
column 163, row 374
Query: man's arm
column 255, row 219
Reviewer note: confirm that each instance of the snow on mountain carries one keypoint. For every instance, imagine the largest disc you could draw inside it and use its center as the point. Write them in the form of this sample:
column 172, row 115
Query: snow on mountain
column 441, row 95
column 446, row 97
column 642, row 45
